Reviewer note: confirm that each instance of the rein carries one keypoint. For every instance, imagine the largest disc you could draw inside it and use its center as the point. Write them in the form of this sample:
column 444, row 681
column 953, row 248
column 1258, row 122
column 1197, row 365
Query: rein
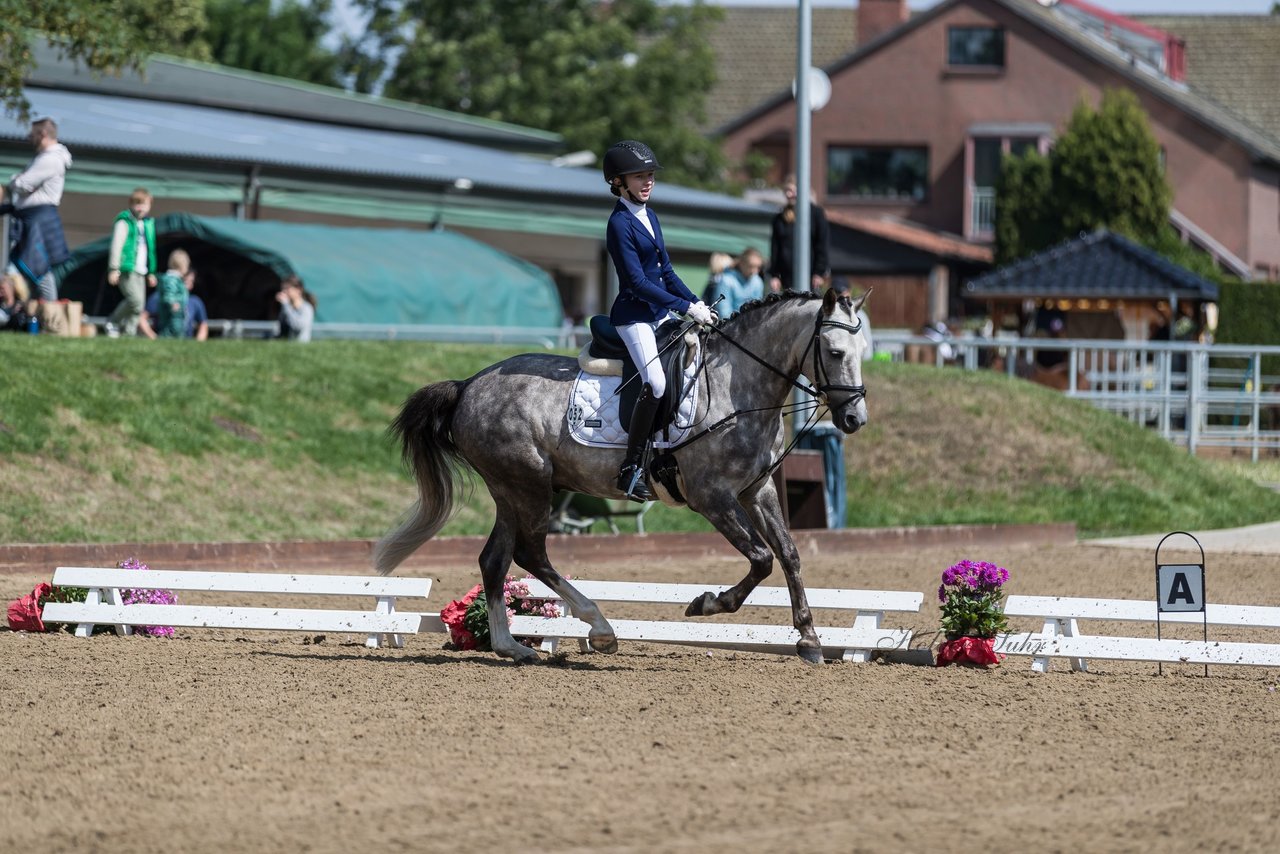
column 818, row 393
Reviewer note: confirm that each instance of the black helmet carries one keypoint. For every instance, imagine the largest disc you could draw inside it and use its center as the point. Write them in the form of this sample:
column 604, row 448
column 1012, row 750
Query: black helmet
column 628, row 156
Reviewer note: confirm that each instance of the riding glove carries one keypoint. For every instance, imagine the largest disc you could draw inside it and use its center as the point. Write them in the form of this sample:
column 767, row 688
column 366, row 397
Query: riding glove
column 699, row 312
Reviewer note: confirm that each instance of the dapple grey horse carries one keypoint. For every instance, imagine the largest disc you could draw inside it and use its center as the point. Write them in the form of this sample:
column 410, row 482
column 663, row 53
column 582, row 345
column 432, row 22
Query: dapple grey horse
column 509, row 424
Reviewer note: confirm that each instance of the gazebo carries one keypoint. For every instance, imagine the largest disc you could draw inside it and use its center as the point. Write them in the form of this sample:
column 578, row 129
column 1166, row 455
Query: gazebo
column 1099, row 285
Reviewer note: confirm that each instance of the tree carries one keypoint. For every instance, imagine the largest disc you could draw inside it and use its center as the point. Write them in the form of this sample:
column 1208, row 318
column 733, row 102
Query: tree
column 1023, row 196
column 594, row 72
column 1104, row 172
column 105, row 35
column 281, row 38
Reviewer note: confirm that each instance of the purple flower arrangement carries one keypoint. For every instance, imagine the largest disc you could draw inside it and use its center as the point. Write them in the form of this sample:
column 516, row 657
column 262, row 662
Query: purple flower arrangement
column 971, row 594
column 143, row 596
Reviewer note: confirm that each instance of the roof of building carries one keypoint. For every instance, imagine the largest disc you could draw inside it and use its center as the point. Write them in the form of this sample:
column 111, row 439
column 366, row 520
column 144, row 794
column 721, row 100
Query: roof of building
column 1101, row 265
column 1205, row 95
column 937, row 243
column 756, row 53
column 236, row 141
column 166, row 78
column 1233, row 59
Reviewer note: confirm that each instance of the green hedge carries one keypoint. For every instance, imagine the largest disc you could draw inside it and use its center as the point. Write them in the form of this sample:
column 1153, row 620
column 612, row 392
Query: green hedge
column 1249, row 313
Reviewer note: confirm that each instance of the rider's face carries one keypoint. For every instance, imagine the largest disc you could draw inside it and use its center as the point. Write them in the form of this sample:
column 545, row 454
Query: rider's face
column 639, row 185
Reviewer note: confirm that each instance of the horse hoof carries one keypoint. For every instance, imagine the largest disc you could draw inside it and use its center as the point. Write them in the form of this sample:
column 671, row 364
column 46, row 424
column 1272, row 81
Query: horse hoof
column 608, row 644
column 704, row 606
column 521, row 654
column 809, row 654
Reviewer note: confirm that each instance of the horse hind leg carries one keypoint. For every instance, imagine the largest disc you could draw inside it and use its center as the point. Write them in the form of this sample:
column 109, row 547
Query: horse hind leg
column 531, row 555
column 495, row 560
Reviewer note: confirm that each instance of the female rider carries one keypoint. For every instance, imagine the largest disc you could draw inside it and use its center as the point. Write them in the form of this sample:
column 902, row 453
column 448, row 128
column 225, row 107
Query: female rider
column 648, row 291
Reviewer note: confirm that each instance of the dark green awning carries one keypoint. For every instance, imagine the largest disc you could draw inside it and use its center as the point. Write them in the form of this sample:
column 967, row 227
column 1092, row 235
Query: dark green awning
column 359, row 275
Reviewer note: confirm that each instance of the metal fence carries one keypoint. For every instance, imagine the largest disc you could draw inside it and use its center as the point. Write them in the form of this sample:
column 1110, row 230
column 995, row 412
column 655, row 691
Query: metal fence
column 1195, row 395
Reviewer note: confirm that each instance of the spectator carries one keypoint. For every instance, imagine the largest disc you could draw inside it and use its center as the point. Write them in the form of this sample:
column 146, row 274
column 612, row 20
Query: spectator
column 33, row 196
column 720, row 261
column 297, row 310
column 782, row 243
column 13, row 309
column 131, row 262
column 177, row 312
column 740, row 283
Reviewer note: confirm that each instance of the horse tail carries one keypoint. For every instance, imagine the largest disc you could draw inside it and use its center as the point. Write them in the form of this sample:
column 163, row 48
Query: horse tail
column 425, row 429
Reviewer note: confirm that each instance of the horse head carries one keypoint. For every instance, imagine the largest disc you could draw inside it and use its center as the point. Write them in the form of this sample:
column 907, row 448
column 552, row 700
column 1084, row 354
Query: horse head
column 839, row 345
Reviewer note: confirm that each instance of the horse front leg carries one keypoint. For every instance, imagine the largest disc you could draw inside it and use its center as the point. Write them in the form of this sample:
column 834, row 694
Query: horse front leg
column 766, row 512
column 729, row 518
column 531, row 555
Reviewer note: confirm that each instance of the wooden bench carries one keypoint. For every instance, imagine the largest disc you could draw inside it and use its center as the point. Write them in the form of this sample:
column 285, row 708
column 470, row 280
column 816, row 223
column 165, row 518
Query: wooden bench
column 856, row 643
column 104, row 603
column 1061, row 637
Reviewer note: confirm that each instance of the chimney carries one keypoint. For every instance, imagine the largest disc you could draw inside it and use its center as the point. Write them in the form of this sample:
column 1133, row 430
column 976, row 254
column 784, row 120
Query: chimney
column 877, row 17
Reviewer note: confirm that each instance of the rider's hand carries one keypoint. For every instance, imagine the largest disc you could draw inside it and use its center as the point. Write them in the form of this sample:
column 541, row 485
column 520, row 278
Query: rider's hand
column 699, row 312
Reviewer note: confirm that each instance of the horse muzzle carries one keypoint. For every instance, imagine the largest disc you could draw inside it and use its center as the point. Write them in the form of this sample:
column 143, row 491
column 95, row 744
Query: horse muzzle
column 852, row 417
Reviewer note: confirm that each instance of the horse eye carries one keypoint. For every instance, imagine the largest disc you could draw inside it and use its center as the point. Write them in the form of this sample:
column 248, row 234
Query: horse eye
column 837, row 354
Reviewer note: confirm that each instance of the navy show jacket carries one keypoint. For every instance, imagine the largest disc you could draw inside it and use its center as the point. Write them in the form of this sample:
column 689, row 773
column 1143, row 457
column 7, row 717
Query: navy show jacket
column 648, row 287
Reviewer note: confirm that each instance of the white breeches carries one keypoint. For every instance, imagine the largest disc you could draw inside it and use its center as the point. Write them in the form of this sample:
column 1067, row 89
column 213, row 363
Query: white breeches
column 643, row 348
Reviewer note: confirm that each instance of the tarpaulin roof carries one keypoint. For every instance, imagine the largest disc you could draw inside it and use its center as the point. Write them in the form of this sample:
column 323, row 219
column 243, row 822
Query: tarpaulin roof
column 358, row 275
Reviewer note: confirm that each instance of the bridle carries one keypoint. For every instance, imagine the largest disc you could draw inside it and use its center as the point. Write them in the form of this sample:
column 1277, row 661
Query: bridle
column 824, row 389
column 821, row 391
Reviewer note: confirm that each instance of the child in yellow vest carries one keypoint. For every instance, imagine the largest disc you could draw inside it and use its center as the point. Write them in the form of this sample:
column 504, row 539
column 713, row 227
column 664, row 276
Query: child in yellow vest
column 131, row 262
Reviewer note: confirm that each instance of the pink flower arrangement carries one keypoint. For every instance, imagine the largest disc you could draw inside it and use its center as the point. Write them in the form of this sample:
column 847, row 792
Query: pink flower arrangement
column 136, row 596
column 468, row 618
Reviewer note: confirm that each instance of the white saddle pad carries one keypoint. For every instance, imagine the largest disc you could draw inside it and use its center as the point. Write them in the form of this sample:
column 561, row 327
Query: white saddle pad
column 594, row 403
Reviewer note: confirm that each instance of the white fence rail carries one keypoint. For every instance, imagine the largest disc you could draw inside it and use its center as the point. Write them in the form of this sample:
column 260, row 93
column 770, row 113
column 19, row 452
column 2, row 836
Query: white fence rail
column 1195, row 395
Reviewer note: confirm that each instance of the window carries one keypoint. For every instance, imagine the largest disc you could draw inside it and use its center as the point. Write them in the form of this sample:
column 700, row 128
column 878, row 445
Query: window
column 982, row 47
column 984, row 171
column 877, row 173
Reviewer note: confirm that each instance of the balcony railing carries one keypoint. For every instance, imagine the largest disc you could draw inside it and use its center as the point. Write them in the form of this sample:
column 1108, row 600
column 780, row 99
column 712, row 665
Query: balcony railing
column 982, row 216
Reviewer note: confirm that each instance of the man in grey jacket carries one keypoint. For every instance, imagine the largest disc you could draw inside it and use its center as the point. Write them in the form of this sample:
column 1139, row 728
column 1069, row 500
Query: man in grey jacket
column 33, row 196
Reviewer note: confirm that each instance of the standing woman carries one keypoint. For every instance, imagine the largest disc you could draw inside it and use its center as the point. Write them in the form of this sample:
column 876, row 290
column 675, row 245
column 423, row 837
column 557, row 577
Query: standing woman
column 782, row 243
column 648, row 291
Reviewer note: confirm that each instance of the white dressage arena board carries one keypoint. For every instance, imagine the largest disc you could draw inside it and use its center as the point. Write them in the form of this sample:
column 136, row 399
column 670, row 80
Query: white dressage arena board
column 104, row 604
column 856, row 642
column 1061, row 636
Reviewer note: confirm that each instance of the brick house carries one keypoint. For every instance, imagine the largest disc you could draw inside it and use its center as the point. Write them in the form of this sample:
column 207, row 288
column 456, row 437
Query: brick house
column 924, row 106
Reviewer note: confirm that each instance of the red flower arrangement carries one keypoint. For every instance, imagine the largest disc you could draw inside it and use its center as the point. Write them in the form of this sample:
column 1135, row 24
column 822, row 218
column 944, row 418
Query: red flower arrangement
column 468, row 618
column 26, row 613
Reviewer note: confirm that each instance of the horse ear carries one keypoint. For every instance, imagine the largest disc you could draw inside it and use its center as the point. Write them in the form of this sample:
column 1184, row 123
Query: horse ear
column 829, row 301
column 857, row 306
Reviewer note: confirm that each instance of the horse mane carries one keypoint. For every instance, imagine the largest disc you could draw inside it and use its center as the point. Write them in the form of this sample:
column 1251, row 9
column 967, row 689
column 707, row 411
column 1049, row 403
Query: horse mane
column 751, row 312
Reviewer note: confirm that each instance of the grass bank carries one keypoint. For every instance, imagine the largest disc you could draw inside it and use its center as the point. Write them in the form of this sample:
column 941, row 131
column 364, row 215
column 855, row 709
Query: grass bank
column 111, row 440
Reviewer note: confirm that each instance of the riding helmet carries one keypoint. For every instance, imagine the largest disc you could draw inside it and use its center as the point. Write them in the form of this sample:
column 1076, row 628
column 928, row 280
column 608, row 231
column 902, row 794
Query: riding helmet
column 627, row 157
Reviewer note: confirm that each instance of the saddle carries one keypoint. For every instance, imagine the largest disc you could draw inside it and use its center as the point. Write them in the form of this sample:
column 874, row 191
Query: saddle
column 606, row 355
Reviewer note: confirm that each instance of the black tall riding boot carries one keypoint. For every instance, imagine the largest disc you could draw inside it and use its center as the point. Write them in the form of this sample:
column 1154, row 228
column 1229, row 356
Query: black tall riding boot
column 631, row 475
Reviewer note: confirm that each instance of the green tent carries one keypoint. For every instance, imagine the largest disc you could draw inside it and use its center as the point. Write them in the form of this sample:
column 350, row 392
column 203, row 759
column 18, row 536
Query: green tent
column 358, row 275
